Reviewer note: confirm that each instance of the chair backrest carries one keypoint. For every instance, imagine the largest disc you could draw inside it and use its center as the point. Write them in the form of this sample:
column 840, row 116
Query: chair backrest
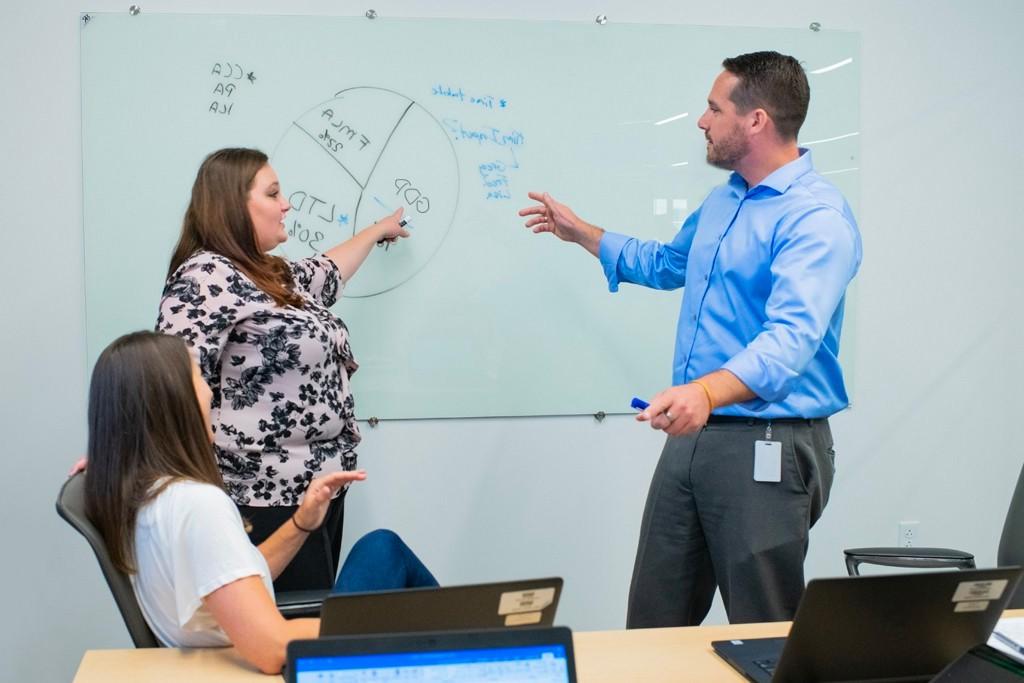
column 1011, row 543
column 71, row 508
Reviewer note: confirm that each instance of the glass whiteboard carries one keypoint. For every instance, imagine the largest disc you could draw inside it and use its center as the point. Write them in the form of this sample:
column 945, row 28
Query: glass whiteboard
column 454, row 120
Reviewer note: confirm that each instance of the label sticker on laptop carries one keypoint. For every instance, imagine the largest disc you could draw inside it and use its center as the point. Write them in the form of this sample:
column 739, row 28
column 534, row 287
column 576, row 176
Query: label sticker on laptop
column 523, row 618
column 972, row 606
column 514, row 602
column 979, row 590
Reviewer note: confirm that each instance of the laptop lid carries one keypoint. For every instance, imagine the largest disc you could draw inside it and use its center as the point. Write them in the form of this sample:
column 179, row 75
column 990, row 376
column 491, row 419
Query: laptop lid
column 487, row 605
column 538, row 655
column 880, row 628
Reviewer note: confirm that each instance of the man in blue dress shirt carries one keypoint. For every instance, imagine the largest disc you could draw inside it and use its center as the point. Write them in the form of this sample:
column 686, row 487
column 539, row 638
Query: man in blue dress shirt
column 765, row 262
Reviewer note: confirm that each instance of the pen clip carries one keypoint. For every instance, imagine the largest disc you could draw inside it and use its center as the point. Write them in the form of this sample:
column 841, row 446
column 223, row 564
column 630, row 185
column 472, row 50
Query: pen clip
column 1008, row 642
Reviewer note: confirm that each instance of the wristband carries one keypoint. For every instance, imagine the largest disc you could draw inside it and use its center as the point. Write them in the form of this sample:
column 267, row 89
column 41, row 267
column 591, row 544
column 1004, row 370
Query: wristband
column 707, row 392
column 307, row 531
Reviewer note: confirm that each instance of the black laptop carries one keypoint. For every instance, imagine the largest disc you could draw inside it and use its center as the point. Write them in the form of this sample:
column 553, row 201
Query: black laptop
column 538, row 655
column 506, row 604
column 899, row 627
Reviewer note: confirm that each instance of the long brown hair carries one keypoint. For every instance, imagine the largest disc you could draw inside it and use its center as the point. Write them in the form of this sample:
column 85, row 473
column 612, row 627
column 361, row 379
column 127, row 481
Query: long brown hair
column 218, row 220
column 146, row 430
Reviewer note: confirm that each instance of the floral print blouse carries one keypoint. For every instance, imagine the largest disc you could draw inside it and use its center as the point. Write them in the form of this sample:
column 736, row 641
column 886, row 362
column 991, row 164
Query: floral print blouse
column 282, row 410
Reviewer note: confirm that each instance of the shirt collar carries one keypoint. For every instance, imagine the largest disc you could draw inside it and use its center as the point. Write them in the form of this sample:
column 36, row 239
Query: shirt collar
column 780, row 179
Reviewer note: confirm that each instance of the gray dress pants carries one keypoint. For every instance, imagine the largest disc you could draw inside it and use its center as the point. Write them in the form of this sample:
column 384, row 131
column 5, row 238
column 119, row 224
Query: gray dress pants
column 708, row 524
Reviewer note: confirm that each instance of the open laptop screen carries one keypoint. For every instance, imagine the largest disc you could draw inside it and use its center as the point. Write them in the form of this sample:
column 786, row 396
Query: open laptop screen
column 525, row 664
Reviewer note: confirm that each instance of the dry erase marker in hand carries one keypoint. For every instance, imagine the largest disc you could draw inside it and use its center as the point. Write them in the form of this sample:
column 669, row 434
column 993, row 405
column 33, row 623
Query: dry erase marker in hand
column 402, row 223
column 386, row 242
column 638, row 404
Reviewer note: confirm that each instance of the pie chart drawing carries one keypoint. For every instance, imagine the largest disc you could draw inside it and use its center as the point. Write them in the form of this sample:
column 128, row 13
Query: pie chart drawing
column 354, row 159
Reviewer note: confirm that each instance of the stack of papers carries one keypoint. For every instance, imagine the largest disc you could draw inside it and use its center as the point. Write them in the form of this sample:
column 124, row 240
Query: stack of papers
column 1008, row 638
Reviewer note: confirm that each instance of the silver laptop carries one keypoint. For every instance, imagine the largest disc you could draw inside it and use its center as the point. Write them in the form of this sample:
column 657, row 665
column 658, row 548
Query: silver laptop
column 902, row 627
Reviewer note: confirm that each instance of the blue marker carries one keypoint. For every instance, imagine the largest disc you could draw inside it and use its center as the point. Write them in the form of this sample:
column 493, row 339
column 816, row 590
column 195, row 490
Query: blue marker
column 638, row 404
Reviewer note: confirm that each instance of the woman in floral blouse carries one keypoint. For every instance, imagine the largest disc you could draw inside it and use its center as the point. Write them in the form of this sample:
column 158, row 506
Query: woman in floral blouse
column 277, row 360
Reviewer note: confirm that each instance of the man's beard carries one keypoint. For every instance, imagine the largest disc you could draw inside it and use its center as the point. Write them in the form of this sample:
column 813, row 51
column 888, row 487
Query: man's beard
column 727, row 150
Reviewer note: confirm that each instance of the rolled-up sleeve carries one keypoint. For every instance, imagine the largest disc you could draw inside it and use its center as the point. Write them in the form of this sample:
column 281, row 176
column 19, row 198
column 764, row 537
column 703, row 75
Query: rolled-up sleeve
column 814, row 259
column 648, row 263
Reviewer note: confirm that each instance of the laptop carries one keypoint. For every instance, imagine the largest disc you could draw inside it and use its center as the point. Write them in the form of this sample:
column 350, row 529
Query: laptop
column 538, row 655
column 897, row 627
column 506, row 604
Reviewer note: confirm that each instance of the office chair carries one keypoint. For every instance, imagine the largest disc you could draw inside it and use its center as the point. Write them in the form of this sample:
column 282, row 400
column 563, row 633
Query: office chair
column 1011, row 549
column 71, row 508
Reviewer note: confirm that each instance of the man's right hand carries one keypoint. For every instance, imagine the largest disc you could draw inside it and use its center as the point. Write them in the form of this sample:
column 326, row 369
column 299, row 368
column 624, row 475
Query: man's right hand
column 682, row 409
column 558, row 219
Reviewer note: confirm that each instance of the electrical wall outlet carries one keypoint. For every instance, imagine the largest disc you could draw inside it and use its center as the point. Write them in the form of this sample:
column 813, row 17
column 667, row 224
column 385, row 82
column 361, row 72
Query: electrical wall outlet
column 909, row 534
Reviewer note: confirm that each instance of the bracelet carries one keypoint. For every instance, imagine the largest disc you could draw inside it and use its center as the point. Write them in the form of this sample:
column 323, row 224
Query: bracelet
column 308, row 531
column 707, row 392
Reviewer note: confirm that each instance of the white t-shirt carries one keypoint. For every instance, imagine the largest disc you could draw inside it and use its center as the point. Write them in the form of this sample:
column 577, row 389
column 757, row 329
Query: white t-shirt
column 190, row 541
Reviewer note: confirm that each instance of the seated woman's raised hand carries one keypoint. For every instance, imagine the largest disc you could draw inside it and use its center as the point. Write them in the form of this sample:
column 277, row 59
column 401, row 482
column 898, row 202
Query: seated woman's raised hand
column 313, row 507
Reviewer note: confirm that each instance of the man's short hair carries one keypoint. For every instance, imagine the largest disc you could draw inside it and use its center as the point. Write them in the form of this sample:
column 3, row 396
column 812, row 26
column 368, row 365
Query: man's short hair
column 773, row 82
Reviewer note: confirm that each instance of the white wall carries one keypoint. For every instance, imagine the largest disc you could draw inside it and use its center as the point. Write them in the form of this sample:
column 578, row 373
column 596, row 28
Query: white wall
column 931, row 436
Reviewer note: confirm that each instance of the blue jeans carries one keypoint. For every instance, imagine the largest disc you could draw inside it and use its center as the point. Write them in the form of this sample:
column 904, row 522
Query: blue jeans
column 380, row 560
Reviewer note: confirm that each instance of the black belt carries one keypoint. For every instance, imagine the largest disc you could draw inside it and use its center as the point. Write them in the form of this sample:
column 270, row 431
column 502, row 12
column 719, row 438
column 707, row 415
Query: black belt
column 752, row 421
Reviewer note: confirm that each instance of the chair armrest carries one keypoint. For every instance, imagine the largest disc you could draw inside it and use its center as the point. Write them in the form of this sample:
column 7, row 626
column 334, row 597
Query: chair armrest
column 295, row 604
column 919, row 558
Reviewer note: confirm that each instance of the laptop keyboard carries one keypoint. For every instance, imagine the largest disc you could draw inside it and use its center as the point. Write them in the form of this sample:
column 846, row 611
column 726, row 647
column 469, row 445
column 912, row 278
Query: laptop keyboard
column 767, row 665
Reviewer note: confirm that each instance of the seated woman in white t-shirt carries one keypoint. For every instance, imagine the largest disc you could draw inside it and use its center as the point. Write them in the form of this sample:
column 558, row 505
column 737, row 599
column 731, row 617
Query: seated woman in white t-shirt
column 154, row 491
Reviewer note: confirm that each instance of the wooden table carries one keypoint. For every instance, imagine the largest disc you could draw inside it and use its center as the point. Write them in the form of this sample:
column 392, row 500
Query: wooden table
column 662, row 654
column 648, row 655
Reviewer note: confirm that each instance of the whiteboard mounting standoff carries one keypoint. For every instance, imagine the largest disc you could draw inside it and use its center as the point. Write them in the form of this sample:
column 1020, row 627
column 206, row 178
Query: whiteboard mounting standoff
column 134, row 10
column 815, row 26
column 599, row 416
column 601, row 19
column 371, row 14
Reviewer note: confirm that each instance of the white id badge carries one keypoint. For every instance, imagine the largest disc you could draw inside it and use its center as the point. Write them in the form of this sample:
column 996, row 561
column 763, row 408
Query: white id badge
column 767, row 461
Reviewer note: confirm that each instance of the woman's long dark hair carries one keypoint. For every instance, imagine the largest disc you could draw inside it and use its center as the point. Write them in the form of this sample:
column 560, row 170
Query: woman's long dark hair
column 218, row 220
column 146, row 430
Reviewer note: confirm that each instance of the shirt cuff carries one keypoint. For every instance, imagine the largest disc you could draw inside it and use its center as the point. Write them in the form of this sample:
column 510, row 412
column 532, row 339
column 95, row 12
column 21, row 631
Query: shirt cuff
column 757, row 376
column 612, row 244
